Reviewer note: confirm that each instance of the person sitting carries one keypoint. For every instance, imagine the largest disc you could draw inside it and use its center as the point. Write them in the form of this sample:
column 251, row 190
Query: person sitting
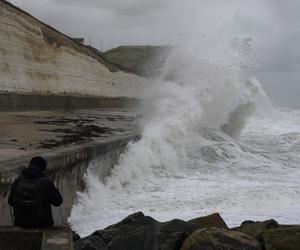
column 32, row 195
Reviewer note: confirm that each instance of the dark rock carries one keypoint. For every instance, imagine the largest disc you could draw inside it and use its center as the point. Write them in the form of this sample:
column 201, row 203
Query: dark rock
column 138, row 232
column 75, row 236
column 212, row 220
column 173, row 233
column 256, row 229
column 282, row 238
column 92, row 242
column 247, row 222
column 220, row 239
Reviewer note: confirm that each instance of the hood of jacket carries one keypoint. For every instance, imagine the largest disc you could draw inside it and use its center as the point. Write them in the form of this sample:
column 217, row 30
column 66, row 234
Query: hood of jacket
column 33, row 172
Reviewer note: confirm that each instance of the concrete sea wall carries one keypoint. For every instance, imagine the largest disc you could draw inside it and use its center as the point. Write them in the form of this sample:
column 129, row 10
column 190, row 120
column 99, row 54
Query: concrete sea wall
column 37, row 60
column 67, row 168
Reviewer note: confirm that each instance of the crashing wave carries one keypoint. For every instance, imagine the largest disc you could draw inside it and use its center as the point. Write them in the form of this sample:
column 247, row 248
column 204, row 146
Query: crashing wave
column 199, row 107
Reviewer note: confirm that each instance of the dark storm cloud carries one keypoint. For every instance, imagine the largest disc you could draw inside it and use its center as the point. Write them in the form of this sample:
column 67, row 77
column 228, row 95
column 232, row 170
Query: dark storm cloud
column 272, row 24
column 125, row 7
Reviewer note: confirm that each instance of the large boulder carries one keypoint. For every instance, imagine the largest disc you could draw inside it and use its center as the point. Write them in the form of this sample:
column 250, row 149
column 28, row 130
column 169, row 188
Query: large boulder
column 75, row 236
column 220, row 239
column 172, row 234
column 212, row 220
column 138, row 232
column 256, row 229
column 282, row 238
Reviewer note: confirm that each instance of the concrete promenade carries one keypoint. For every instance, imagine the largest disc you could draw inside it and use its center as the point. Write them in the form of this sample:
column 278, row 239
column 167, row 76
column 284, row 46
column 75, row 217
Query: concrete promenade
column 24, row 134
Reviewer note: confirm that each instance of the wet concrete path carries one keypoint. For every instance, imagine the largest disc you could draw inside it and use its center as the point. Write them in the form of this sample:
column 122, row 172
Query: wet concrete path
column 23, row 134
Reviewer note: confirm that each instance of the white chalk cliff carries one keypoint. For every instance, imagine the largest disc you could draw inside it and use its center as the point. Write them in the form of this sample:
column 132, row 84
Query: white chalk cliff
column 35, row 58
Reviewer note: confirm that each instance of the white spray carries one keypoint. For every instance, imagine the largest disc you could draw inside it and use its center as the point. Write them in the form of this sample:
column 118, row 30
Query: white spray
column 188, row 148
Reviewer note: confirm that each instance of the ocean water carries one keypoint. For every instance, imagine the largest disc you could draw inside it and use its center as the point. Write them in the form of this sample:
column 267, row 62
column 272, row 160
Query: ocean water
column 211, row 142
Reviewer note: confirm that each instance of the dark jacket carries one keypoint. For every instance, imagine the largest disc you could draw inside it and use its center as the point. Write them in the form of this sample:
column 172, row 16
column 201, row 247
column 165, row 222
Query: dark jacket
column 51, row 196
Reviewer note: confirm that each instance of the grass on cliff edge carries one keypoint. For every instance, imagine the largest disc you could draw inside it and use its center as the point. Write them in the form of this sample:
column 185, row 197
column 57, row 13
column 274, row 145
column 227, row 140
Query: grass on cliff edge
column 141, row 60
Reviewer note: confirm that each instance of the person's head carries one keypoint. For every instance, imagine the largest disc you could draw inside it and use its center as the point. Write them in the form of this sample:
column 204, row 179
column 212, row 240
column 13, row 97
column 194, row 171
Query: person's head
column 40, row 162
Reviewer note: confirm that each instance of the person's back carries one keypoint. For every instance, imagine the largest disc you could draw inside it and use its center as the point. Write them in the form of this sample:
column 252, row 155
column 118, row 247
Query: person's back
column 32, row 195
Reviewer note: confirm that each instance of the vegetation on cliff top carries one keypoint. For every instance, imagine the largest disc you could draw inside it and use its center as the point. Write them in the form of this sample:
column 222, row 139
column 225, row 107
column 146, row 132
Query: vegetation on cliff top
column 140, row 60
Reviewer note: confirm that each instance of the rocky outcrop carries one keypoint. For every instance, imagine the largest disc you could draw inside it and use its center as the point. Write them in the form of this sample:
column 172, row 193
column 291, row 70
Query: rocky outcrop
column 37, row 59
column 221, row 239
column 282, row 238
column 140, row 232
column 212, row 220
column 256, row 229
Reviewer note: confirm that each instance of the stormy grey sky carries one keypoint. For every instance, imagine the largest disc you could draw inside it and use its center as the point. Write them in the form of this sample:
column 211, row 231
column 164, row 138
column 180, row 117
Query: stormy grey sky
column 274, row 26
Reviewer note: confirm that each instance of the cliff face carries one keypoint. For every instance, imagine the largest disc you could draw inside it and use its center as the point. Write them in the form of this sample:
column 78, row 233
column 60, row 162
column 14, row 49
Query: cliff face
column 36, row 59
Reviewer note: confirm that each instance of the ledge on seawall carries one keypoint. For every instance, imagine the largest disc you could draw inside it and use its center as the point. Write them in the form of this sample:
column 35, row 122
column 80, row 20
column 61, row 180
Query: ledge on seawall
column 67, row 158
column 22, row 102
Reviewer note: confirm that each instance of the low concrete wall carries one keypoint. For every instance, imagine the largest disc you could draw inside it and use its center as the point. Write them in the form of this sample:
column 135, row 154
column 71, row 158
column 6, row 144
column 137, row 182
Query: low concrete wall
column 23, row 102
column 67, row 168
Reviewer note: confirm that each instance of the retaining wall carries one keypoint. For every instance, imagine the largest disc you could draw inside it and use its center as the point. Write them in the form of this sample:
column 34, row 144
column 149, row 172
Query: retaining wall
column 67, row 168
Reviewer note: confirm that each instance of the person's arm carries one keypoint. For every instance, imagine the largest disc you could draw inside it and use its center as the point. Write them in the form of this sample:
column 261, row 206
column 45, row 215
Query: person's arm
column 12, row 192
column 51, row 192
